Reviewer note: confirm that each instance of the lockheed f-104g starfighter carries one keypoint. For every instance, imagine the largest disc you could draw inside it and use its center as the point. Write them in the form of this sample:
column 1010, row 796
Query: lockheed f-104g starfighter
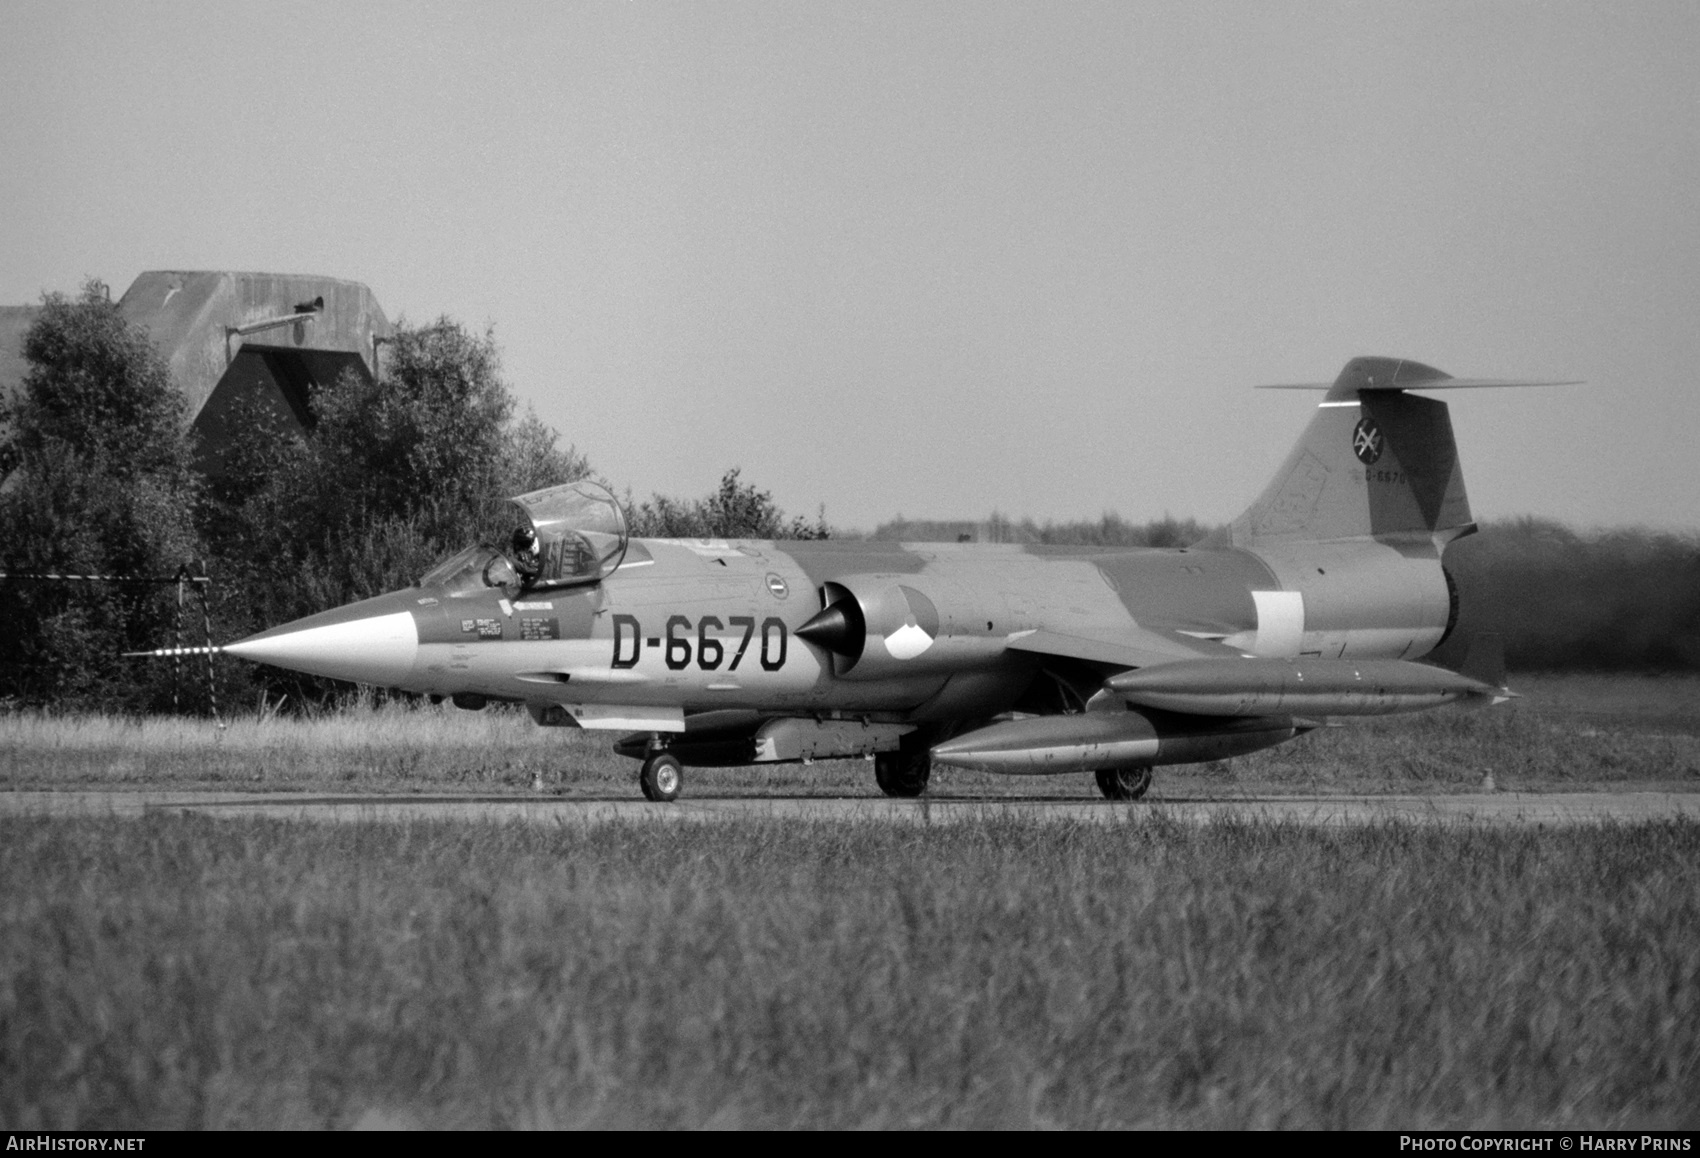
column 1311, row 605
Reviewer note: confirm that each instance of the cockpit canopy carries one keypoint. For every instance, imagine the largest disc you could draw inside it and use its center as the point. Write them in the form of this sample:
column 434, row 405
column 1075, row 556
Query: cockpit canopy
column 577, row 536
column 581, row 533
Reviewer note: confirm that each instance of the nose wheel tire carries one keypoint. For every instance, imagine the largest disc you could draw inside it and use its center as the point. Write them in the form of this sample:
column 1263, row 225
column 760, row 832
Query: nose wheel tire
column 661, row 778
column 1123, row 783
column 902, row 774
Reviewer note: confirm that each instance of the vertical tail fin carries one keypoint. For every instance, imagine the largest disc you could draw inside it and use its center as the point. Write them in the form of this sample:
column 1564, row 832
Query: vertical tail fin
column 1374, row 461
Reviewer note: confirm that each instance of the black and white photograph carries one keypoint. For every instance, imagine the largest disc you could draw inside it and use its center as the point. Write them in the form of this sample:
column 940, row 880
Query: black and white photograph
column 900, row 565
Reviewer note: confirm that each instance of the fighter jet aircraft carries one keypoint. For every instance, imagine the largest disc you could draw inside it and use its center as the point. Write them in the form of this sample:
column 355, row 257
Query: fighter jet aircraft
column 1021, row 659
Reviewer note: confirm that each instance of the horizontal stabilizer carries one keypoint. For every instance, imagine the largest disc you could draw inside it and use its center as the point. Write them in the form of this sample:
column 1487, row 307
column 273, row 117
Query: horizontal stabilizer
column 1442, row 384
column 1403, row 374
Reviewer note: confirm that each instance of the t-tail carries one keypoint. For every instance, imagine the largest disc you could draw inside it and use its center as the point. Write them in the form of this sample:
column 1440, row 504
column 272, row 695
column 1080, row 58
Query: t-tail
column 1375, row 462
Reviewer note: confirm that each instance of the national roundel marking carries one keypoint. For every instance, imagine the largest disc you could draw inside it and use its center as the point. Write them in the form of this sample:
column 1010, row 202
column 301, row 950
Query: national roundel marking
column 1367, row 441
column 776, row 584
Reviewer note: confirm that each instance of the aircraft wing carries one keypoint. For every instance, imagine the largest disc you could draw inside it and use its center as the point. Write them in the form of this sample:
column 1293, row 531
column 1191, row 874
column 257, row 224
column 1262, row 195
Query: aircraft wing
column 1134, row 647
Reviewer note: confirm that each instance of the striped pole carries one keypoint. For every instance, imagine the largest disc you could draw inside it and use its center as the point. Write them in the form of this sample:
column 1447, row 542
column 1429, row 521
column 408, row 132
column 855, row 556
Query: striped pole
column 105, row 578
column 206, row 625
column 177, row 638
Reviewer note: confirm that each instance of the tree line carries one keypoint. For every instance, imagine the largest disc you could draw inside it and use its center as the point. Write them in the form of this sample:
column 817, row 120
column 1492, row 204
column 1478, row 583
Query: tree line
column 1108, row 530
column 98, row 477
column 1622, row 599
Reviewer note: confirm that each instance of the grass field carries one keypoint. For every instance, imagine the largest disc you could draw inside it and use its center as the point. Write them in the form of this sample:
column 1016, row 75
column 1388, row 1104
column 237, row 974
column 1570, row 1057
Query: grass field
column 1567, row 732
column 184, row 972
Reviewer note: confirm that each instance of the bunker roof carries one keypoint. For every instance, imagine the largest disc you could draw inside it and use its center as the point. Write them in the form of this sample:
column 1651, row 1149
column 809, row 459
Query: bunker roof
column 201, row 320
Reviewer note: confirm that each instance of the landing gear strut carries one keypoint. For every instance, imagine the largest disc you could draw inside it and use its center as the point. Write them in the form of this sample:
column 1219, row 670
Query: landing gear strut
column 1124, row 783
column 902, row 773
column 661, row 777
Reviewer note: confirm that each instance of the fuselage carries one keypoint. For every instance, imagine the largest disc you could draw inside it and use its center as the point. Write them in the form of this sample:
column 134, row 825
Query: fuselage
column 685, row 626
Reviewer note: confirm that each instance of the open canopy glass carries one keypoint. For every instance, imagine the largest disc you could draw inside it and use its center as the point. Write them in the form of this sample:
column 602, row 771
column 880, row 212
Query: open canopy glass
column 580, row 530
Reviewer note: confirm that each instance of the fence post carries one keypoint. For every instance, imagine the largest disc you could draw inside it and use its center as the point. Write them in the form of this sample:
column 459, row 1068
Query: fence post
column 177, row 638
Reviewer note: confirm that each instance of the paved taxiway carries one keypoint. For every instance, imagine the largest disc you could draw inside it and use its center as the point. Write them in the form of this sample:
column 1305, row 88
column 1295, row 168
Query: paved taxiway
column 1498, row 809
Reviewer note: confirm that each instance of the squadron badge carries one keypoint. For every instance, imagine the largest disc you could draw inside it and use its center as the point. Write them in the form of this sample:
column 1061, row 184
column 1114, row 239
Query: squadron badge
column 1366, row 441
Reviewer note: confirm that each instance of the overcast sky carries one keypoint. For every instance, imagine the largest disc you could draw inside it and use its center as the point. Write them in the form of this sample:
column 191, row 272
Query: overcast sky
column 931, row 258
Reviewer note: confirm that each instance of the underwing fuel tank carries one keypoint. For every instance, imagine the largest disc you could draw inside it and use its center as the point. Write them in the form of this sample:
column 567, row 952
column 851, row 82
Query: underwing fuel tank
column 1306, row 687
column 1089, row 741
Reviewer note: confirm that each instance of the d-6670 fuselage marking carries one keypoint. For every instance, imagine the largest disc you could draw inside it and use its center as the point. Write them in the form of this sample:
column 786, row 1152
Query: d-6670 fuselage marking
column 709, row 650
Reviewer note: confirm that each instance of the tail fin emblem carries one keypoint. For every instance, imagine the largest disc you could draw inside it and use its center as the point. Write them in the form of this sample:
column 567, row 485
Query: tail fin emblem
column 1366, row 441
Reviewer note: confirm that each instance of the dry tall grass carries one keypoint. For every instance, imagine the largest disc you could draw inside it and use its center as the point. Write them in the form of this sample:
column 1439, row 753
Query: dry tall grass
column 182, row 972
column 1567, row 732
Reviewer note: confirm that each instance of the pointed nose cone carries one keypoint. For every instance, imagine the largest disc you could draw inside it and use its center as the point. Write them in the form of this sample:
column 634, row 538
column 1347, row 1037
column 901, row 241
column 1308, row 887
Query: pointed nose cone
column 371, row 642
column 838, row 629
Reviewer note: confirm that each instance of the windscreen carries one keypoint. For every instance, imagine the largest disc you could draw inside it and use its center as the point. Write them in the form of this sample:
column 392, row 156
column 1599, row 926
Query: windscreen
column 470, row 571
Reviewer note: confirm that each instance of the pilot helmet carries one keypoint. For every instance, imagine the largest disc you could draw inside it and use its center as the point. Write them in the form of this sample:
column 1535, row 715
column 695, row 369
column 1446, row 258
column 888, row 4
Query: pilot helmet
column 525, row 540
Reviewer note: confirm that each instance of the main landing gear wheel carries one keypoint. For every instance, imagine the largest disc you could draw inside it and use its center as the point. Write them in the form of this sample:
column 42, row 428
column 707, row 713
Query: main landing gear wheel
column 661, row 778
column 902, row 773
column 1123, row 783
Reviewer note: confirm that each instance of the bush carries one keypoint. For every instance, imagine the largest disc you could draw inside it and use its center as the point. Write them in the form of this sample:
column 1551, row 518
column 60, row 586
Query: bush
column 395, row 473
column 736, row 511
column 98, row 482
column 1108, row 530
